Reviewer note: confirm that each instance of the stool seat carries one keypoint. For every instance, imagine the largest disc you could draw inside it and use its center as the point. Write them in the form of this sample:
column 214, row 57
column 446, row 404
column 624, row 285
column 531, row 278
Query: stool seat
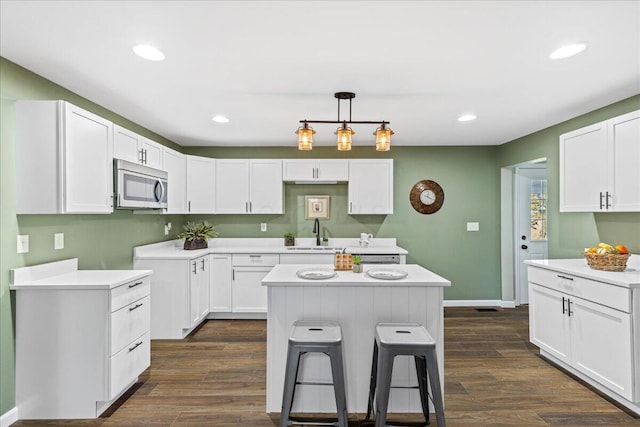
column 309, row 332
column 409, row 334
column 404, row 339
column 307, row 336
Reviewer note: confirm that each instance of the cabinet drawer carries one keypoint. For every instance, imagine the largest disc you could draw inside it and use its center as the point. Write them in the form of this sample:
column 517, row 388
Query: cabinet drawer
column 128, row 363
column 130, row 292
column 255, row 260
column 130, row 322
column 602, row 293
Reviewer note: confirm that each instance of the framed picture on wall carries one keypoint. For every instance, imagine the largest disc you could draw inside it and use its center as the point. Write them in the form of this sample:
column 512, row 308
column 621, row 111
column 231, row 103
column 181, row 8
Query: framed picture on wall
column 316, row 207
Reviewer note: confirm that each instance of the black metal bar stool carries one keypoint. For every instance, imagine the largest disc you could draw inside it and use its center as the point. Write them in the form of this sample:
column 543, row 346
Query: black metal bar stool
column 314, row 336
column 404, row 339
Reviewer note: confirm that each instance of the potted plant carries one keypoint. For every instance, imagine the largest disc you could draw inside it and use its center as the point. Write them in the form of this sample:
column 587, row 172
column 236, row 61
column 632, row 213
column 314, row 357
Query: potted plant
column 357, row 267
column 195, row 235
column 289, row 239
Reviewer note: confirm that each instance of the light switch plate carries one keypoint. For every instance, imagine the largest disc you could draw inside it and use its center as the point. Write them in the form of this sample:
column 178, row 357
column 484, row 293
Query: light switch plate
column 473, row 226
column 23, row 243
column 58, row 241
column 263, row 226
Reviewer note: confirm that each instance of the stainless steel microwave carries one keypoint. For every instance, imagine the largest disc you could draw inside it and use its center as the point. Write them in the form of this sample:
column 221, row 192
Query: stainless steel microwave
column 139, row 187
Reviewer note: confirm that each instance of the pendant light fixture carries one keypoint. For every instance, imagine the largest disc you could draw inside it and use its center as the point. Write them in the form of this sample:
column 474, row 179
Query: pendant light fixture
column 305, row 137
column 383, row 138
column 344, row 137
column 344, row 132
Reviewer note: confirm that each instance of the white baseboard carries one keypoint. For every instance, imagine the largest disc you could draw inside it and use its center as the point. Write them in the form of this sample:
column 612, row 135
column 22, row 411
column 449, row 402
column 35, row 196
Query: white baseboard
column 9, row 417
column 479, row 303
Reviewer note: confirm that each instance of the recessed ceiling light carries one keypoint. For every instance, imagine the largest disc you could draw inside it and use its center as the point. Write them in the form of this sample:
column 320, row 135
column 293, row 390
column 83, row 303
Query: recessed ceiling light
column 148, row 52
column 466, row 117
column 568, row 50
column 220, row 119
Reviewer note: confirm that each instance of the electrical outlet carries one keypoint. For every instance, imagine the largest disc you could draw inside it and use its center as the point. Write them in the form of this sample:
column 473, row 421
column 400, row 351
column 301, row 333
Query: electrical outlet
column 58, row 241
column 263, row 226
column 473, row 226
column 23, row 243
column 167, row 228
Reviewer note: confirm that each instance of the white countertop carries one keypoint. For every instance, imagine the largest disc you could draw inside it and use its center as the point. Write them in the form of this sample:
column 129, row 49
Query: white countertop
column 65, row 275
column 578, row 267
column 285, row 275
column 173, row 249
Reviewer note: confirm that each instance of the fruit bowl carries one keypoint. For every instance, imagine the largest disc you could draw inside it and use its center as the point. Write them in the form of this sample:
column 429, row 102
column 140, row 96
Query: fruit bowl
column 607, row 262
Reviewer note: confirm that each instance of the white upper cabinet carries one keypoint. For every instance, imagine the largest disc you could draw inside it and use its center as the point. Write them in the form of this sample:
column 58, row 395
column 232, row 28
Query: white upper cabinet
column 371, row 186
column 624, row 169
column 315, row 170
column 128, row 145
column 249, row 186
column 176, row 166
column 600, row 166
column 64, row 159
column 201, row 184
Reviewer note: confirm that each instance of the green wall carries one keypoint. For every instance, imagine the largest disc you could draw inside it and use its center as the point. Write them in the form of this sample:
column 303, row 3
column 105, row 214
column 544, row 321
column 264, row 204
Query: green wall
column 570, row 232
column 470, row 177
column 99, row 241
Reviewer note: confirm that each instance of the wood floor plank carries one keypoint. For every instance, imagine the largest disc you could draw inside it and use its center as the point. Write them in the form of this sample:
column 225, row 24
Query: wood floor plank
column 493, row 377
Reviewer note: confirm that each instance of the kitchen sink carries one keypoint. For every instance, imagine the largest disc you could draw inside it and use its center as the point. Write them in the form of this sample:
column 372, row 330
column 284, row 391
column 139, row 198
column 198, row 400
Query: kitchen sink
column 314, row 248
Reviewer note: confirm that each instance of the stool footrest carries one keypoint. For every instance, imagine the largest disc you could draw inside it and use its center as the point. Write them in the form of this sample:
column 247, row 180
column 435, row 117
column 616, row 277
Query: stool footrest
column 313, row 421
column 313, row 383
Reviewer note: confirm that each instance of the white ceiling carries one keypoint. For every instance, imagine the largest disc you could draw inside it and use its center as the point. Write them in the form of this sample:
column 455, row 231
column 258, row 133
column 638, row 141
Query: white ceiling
column 268, row 64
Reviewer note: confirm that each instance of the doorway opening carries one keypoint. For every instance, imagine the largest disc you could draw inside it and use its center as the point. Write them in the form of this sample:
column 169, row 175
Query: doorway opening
column 524, row 230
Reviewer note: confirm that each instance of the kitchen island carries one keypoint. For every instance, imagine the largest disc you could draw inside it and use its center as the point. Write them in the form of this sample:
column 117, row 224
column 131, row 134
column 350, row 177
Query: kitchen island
column 358, row 302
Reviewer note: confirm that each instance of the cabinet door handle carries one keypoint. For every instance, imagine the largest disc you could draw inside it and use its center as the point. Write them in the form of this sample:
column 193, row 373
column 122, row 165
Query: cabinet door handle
column 569, row 307
column 564, row 310
column 233, row 274
column 607, row 204
column 601, row 204
column 136, row 345
column 350, row 207
column 246, row 206
column 135, row 284
column 194, row 268
column 565, row 277
column 250, row 207
column 189, row 208
column 135, row 307
column 202, row 268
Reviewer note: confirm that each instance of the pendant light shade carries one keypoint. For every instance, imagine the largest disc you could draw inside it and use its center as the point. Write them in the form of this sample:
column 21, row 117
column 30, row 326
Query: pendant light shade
column 383, row 138
column 305, row 137
column 344, row 137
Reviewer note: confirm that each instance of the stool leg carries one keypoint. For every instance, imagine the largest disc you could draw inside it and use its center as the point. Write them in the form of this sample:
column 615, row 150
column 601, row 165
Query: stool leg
column 372, row 380
column 383, row 387
column 337, row 373
column 421, row 373
column 436, row 391
column 290, row 378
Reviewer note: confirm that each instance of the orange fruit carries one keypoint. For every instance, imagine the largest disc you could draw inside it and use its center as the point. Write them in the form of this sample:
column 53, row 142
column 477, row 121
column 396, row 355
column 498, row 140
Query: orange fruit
column 592, row 250
column 622, row 249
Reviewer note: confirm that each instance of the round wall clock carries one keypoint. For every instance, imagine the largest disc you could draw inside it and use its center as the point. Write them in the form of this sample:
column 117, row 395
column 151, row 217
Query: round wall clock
column 426, row 196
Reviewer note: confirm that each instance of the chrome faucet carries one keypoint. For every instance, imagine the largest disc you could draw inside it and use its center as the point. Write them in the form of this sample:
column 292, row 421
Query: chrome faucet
column 316, row 231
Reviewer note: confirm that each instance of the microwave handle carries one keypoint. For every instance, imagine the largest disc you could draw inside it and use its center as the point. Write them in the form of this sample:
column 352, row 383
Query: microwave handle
column 155, row 191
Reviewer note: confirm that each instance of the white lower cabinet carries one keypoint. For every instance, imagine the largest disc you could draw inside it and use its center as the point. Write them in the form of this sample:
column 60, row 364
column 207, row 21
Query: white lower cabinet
column 180, row 295
column 586, row 326
column 221, row 281
column 77, row 350
column 248, row 295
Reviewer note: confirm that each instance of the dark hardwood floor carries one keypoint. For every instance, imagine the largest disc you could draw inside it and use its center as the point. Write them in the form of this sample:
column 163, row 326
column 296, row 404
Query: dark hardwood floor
column 216, row 377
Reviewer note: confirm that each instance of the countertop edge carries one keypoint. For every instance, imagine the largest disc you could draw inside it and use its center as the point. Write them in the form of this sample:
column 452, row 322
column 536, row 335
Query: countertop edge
column 629, row 278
